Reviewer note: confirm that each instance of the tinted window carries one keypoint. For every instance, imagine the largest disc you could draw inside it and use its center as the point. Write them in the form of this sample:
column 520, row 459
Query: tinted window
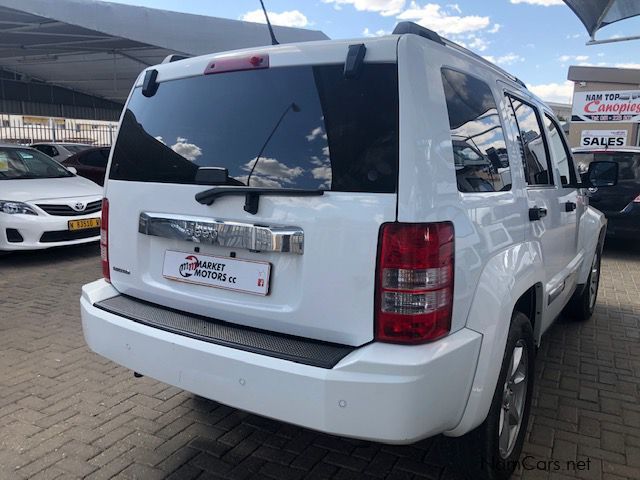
column 315, row 129
column 76, row 148
column 479, row 150
column 532, row 144
column 560, row 151
column 628, row 163
column 95, row 158
column 28, row 163
column 47, row 150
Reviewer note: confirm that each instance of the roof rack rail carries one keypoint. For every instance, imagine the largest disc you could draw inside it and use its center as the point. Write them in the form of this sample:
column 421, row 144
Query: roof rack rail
column 480, row 58
column 174, row 57
column 411, row 27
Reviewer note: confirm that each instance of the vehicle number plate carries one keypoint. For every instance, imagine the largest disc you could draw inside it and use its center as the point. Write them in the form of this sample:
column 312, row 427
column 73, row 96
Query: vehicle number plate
column 246, row 276
column 84, row 224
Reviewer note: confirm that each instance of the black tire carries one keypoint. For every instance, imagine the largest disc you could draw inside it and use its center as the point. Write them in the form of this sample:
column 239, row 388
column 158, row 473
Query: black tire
column 583, row 303
column 479, row 452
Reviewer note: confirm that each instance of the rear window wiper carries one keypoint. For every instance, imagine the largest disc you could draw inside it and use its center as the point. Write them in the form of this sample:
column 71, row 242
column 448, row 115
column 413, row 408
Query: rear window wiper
column 252, row 195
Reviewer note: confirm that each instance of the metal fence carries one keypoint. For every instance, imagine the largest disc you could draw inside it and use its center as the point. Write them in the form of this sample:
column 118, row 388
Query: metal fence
column 55, row 130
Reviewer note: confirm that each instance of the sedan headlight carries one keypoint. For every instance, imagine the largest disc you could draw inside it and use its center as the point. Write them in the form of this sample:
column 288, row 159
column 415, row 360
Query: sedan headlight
column 16, row 207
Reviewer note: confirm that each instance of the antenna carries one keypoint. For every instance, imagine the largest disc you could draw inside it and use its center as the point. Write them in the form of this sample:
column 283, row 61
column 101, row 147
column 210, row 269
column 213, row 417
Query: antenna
column 273, row 36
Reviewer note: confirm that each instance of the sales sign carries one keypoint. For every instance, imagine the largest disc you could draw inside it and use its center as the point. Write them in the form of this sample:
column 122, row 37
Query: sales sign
column 603, row 138
column 617, row 106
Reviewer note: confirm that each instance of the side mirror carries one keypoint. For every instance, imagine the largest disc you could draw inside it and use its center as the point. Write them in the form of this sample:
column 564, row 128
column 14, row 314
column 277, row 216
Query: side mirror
column 72, row 170
column 602, row 174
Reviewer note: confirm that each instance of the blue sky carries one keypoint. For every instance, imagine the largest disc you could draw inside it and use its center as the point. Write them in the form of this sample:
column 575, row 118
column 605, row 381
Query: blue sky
column 534, row 39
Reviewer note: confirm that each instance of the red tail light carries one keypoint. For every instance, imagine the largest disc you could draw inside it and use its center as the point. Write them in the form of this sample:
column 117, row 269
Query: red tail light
column 637, row 199
column 104, row 240
column 414, row 294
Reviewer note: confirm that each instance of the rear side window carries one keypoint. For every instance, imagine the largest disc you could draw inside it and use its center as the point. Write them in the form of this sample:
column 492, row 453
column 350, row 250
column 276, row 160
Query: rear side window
column 479, row 150
column 315, row 129
column 47, row 150
column 76, row 148
column 560, row 152
column 95, row 158
column 537, row 169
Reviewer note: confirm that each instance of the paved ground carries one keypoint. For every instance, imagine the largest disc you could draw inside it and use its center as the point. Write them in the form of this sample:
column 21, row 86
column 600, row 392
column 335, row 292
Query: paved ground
column 67, row 413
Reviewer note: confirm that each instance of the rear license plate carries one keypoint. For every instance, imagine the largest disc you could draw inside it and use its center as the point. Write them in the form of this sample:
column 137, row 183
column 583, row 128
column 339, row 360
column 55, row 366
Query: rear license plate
column 246, row 276
column 84, row 224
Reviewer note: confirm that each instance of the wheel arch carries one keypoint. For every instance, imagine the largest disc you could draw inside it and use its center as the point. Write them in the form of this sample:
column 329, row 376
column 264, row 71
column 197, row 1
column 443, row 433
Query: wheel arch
column 530, row 304
column 510, row 281
column 593, row 227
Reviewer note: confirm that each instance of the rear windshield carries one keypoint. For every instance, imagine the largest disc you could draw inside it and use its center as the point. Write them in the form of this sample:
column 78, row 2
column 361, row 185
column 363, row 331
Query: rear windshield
column 628, row 162
column 287, row 127
column 77, row 148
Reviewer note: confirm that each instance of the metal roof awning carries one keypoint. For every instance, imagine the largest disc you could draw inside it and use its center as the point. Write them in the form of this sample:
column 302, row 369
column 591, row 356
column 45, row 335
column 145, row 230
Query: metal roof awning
column 99, row 48
column 596, row 14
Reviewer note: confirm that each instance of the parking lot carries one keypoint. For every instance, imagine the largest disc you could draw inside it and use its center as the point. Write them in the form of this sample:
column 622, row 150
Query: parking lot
column 67, row 413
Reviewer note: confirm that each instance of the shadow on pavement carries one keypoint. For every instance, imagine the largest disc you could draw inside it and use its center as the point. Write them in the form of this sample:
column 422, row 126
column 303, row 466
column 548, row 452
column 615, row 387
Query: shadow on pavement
column 628, row 249
column 50, row 255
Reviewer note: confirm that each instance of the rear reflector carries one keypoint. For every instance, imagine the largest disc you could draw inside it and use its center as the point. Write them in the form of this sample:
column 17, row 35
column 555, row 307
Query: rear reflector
column 104, row 240
column 414, row 294
column 235, row 64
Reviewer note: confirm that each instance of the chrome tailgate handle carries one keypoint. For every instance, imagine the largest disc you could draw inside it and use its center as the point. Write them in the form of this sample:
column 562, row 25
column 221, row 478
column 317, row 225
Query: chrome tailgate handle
column 223, row 233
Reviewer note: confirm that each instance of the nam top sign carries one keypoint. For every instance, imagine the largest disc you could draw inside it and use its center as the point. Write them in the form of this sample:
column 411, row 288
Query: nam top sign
column 612, row 106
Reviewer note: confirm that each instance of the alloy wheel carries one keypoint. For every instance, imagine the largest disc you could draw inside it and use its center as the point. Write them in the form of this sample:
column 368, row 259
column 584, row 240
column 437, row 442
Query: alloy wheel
column 513, row 399
column 595, row 280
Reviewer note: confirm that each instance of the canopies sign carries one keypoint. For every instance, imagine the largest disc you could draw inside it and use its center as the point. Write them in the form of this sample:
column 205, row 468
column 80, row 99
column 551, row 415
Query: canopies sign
column 616, row 106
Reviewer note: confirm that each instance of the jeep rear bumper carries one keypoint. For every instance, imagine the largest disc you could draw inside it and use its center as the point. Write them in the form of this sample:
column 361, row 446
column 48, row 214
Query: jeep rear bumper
column 381, row 392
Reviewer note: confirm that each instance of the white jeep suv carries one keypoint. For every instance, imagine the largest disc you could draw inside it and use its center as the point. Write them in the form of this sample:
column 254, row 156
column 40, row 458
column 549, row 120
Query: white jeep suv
column 366, row 238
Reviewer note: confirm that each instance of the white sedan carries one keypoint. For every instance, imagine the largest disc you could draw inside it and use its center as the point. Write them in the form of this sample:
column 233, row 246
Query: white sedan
column 42, row 204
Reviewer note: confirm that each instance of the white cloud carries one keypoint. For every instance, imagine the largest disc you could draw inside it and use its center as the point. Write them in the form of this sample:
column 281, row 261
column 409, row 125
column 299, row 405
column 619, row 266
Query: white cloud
column 554, row 92
column 508, row 59
column 628, row 65
column 190, row 151
column 573, row 58
column 384, row 7
column 455, row 7
column 378, row 33
column 575, row 35
column 495, row 29
column 479, row 44
column 444, row 22
column 315, row 133
column 290, row 18
column 270, row 173
column 321, row 173
column 543, row 3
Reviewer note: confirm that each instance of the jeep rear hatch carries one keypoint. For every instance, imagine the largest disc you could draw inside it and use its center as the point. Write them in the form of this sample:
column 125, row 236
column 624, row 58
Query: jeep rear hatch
column 314, row 155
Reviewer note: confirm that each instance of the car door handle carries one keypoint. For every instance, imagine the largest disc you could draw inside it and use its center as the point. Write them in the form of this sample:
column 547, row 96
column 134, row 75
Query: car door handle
column 536, row 213
column 569, row 207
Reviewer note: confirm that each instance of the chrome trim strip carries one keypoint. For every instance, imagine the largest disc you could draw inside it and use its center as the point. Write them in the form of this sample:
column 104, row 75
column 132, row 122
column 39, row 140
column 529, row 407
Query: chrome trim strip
column 223, row 233
column 555, row 292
